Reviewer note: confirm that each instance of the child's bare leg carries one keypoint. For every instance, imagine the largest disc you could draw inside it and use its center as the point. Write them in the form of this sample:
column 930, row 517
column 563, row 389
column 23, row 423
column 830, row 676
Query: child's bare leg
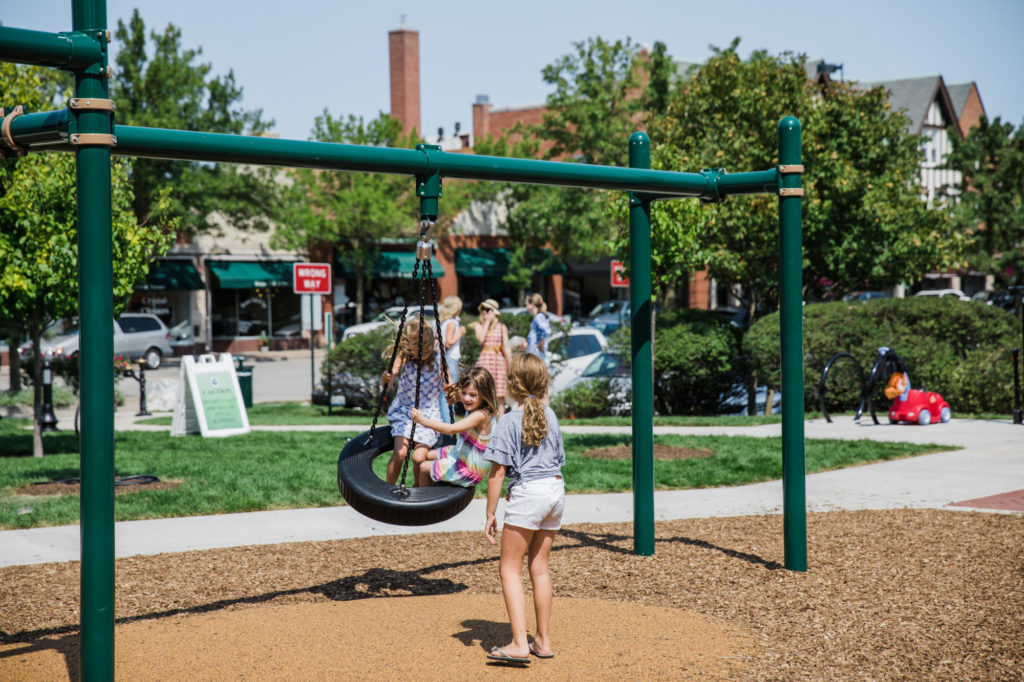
column 419, row 458
column 398, row 454
column 515, row 542
column 540, row 551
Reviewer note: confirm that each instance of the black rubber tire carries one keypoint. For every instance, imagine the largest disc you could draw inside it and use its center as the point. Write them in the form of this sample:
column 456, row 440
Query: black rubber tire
column 381, row 501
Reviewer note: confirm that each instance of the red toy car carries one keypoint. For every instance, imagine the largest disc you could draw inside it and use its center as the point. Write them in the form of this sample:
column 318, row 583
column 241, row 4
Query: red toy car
column 919, row 407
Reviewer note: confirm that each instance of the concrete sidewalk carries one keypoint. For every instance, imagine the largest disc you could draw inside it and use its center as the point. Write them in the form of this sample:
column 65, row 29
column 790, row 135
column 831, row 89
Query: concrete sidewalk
column 990, row 463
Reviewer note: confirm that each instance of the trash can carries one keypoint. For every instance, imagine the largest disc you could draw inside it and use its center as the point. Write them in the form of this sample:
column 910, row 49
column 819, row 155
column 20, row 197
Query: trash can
column 244, row 373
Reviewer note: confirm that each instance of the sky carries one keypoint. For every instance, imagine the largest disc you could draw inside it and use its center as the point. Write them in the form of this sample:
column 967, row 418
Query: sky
column 298, row 58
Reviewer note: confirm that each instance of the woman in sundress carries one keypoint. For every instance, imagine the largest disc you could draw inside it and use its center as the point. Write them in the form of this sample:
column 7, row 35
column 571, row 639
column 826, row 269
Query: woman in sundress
column 495, row 354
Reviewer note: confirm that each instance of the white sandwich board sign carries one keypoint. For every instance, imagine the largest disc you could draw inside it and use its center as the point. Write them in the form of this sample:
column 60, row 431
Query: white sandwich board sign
column 209, row 398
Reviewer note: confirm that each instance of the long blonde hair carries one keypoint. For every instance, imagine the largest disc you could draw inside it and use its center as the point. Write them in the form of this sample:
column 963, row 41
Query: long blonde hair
column 450, row 307
column 528, row 384
column 537, row 301
column 409, row 347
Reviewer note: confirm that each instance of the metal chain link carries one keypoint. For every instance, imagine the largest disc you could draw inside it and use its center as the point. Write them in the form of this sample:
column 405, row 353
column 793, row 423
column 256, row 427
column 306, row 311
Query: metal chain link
column 437, row 323
column 391, row 362
column 419, row 374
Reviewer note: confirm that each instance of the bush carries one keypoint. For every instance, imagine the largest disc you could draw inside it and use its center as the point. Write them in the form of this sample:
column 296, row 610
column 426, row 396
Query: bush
column 960, row 349
column 697, row 361
column 356, row 364
column 586, row 399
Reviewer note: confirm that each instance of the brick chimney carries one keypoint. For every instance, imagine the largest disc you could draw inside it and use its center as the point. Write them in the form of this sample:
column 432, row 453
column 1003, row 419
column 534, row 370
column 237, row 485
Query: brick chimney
column 481, row 117
column 404, row 58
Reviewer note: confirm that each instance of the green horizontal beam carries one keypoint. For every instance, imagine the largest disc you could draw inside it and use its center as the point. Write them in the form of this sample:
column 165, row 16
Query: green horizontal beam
column 51, row 130
column 62, row 50
column 43, row 129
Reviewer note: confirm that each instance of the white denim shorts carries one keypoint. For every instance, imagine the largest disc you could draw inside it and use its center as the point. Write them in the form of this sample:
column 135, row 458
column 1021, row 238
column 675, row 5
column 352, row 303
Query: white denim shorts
column 536, row 505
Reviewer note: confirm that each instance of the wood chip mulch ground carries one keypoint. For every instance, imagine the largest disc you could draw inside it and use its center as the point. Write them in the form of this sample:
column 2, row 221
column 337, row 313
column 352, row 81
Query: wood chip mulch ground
column 906, row 594
column 75, row 488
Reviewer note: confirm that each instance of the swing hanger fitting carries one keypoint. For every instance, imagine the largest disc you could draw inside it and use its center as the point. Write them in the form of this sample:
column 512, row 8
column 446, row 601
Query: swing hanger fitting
column 5, row 131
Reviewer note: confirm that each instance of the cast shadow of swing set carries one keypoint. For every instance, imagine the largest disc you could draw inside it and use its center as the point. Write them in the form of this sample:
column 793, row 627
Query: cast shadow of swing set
column 376, row 583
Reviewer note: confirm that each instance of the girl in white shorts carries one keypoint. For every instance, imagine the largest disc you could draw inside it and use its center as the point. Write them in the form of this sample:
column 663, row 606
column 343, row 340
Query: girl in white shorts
column 527, row 447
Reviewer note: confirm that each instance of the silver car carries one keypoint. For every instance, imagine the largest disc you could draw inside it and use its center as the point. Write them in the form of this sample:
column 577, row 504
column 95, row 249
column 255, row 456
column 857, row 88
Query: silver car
column 136, row 335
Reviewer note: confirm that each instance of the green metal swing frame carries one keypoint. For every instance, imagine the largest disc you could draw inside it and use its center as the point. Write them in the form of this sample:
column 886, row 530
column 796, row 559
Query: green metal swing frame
column 87, row 128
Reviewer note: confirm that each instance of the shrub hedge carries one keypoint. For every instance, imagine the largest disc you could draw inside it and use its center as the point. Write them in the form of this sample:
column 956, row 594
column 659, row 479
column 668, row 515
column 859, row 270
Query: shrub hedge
column 960, row 349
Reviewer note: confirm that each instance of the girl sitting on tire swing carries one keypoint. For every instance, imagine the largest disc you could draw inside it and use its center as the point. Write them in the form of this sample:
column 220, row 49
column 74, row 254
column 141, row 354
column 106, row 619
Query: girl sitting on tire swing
column 463, row 463
column 415, row 355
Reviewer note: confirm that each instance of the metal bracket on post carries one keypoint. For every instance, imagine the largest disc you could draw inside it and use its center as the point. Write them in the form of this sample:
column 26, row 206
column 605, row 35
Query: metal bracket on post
column 99, row 139
column 712, row 175
column 92, row 104
column 790, row 169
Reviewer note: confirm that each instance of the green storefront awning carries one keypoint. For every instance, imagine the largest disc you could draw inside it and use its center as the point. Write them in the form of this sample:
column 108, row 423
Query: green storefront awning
column 393, row 265
column 248, row 274
column 171, row 275
column 495, row 262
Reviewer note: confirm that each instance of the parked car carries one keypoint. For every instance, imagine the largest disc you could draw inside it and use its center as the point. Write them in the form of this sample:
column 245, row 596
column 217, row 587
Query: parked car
column 611, row 366
column 864, row 295
column 607, row 316
column 388, row 316
column 736, row 401
column 572, row 353
column 181, row 335
column 136, row 335
column 955, row 293
column 1002, row 298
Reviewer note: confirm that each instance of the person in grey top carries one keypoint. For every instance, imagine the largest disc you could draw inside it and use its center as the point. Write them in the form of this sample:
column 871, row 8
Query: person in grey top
column 527, row 448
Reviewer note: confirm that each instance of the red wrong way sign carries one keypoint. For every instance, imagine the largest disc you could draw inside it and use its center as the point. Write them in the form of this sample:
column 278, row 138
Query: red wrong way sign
column 619, row 278
column 311, row 278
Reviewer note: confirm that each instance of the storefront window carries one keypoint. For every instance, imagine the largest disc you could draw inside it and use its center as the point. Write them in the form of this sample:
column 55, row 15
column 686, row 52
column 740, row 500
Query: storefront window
column 251, row 312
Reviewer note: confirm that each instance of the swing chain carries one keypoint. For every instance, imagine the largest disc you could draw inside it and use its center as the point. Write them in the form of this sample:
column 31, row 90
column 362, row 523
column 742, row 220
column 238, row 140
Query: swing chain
column 422, row 290
column 445, row 377
column 391, row 361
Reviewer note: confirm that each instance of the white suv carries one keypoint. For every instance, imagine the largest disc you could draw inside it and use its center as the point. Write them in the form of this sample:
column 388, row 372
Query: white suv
column 136, row 335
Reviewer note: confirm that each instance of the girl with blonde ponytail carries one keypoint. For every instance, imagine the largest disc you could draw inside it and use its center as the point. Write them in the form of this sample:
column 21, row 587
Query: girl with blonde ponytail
column 526, row 446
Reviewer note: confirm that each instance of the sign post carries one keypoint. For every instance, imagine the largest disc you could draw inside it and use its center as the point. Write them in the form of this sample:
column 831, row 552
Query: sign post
column 313, row 280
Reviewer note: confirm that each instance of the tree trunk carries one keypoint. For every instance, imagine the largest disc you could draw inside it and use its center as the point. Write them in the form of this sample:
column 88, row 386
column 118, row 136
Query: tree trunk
column 14, row 363
column 360, row 296
column 752, row 378
column 769, row 399
column 37, row 395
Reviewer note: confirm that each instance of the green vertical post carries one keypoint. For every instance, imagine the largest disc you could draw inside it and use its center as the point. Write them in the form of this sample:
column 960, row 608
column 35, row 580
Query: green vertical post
column 642, row 359
column 96, row 314
column 794, row 502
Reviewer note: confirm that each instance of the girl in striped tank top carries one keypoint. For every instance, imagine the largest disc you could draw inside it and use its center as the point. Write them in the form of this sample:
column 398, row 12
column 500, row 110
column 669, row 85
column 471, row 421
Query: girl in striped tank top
column 463, row 463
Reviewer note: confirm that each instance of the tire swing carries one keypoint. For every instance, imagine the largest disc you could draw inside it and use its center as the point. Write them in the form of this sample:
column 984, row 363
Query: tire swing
column 362, row 489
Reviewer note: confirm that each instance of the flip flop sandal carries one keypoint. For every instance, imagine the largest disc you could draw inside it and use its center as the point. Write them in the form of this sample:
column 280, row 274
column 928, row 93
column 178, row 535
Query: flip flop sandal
column 498, row 655
column 538, row 654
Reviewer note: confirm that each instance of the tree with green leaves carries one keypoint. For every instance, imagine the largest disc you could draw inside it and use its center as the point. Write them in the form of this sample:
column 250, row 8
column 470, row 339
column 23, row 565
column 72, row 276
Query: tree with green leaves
column 989, row 201
column 864, row 224
column 352, row 212
column 38, row 232
column 163, row 85
column 595, row 105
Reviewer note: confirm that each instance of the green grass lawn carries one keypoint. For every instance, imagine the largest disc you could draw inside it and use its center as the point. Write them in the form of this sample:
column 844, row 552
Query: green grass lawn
column 287, row 469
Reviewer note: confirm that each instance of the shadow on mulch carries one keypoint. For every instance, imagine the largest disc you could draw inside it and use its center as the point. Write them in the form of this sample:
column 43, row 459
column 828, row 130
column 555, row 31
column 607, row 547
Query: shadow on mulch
column 66, row 645
column 378, row 583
